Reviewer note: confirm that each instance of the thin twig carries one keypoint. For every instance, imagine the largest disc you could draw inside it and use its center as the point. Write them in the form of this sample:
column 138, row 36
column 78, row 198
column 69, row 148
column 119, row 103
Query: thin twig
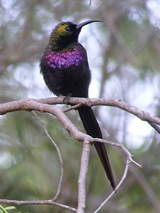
column 72, row 107
column 59, row 155
column 117, row 187
column 129, row 155
column 128, row 161
column 38, row 202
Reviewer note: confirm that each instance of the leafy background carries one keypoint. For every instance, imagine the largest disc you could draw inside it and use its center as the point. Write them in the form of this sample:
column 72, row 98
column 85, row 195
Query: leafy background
column 123, row 54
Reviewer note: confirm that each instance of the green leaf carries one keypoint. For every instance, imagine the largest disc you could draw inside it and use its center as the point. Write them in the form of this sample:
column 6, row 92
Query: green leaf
column 10, row 208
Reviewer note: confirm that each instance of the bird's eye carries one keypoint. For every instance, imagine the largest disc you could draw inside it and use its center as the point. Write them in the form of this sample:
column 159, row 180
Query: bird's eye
column 68, row 28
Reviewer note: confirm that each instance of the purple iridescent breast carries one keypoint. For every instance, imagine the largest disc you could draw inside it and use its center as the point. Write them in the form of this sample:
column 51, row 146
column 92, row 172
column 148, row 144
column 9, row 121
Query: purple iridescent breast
column 65, row 58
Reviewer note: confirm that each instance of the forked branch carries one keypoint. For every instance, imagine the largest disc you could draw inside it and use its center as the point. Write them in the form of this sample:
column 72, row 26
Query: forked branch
column 44, row 105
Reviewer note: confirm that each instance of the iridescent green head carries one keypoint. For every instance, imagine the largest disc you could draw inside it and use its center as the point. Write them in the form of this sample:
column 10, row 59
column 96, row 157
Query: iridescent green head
column 66, row 33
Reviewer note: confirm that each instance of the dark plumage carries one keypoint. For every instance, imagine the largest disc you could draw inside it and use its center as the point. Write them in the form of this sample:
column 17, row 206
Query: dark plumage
column 66, row 72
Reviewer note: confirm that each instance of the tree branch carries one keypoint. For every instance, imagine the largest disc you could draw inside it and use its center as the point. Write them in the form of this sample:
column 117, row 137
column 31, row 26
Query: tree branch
column 117, row 187
column 44, row 105
column 82, row 177
column 59, row 155
column 38, row 202
column 25, row 105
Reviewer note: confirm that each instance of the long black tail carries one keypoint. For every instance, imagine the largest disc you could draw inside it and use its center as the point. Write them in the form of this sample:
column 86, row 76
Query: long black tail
column 92, row 128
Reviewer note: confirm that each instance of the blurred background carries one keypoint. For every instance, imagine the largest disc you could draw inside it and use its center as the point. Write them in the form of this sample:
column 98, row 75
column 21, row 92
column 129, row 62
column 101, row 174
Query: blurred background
column 124, row 56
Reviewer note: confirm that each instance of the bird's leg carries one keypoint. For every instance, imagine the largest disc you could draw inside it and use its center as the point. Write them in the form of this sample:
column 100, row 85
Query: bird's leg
column 67, row 99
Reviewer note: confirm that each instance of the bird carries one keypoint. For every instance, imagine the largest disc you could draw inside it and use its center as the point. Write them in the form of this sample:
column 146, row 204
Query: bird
column 65, row 69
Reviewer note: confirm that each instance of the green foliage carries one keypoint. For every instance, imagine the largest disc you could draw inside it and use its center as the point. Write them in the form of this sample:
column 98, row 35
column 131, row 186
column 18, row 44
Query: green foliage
column 9, row 209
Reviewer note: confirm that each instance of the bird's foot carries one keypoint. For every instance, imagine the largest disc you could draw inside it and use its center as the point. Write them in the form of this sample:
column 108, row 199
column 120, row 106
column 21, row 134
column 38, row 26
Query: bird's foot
column 67, row 99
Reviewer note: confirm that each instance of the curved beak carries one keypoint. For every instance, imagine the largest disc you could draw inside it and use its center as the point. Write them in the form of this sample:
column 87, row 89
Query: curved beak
column 79, row 26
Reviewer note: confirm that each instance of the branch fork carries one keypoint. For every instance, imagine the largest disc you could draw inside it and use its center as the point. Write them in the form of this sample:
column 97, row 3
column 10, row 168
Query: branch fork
column 45, row 105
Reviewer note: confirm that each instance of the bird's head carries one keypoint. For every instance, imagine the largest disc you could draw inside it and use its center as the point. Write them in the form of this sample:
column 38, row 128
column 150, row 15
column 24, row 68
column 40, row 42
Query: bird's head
column 66, row 33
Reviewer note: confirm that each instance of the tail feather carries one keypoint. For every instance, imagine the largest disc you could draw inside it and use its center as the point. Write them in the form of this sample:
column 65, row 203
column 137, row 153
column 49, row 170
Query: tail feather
column 92, row 128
